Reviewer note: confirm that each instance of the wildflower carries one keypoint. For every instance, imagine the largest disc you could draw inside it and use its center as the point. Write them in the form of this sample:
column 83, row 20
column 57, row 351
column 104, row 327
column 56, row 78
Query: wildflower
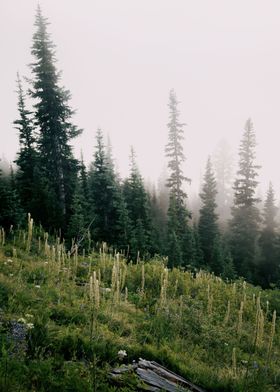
column 37, row 286
column 22, row 320
column 11, row 274
column 29, row 325
column 122, row 354
column 27, row 315
column 10, row 261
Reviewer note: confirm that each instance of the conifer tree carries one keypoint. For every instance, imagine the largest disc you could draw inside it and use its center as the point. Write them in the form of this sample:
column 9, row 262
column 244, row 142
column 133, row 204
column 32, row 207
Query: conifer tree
column 27, row 156
column 269, row 266
column 244, row 225
column 138, row 208
column 178, row 233
column 56, row 165
column 11, row 213
column 208, row 226
column 77, row 222
column 106, row 199
column 223, row 167
column 158, row 223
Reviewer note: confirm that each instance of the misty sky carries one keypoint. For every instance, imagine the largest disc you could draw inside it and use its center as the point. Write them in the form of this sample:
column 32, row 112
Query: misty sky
column 120, row 58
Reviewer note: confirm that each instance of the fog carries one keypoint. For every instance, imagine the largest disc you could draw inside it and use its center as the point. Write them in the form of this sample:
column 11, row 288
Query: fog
column 121, row 58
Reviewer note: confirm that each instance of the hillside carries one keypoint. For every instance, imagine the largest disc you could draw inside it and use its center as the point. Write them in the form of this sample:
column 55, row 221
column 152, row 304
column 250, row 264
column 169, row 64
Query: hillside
column 65, row 317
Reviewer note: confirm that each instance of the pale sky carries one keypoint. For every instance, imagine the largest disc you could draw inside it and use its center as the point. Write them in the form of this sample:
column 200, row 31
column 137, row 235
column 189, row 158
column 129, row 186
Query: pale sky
column 120, row 58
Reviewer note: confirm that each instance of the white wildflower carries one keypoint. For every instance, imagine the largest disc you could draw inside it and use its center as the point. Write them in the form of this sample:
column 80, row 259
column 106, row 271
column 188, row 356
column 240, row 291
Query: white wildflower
column 29, row 325
column 22, row 320
column 37, row 286
column 122, row 354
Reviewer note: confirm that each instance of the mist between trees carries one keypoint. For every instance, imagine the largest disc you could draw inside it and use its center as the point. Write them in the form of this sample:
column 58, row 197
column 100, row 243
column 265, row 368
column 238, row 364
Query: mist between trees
column 227, row 230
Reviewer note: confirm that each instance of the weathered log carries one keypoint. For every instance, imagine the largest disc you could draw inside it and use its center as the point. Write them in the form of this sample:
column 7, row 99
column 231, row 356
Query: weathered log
column 165, row 373
column 156, row 377
column 153, row 379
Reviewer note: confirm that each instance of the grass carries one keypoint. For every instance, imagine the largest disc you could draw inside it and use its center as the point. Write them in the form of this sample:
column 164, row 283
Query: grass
column 220, row 335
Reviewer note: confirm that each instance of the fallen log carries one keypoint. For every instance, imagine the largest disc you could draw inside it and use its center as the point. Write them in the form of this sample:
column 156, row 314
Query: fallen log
column 156, row 377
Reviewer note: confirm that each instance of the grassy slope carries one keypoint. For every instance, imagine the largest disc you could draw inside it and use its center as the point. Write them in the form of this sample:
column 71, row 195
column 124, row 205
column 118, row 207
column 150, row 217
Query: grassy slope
column 170, row 316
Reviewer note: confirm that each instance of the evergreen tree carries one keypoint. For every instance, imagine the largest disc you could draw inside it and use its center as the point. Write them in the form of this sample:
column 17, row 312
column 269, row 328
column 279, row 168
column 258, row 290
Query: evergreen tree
column 244, row 225
column 158, row 223
column 163, row 193
column 84, row 181
column 208, row 226
column 56, row 165
column 138, row 208
column 106, row 199
column 27, row 156
column 77, row 222
column 223, row 165
column 197, row 248
column 269, row 266
column 11, row 213
column 178, row 233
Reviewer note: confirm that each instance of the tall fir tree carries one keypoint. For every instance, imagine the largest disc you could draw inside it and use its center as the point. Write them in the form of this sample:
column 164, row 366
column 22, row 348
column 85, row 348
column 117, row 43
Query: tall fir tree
column 106, row 199
column 158, row 223
column 56, row 165
column 27, row 156
column 138, row 208
column 179, row 236
column 244, row 225
column 269, row 265
column 208, row 221
column 223, row 167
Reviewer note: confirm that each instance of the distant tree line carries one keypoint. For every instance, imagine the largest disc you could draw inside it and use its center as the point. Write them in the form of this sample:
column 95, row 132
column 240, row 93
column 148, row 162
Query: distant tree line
column 92, row 205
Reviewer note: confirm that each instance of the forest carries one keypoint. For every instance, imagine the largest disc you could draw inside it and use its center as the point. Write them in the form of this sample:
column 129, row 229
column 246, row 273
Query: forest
column 229, row 234
column 93, row 263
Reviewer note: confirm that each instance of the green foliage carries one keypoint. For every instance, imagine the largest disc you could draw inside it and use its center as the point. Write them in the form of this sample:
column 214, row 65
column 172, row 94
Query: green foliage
column 27, row 156
column 11, row 213
column 268, row 268
column 244, row 225
column 52, row 119
column 179, row 236
column 174, row 317
column 139, row 215
column 208, row 226
column 107, row 207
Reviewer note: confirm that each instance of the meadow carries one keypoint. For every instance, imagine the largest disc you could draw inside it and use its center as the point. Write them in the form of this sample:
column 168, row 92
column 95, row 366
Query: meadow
column 66, row 315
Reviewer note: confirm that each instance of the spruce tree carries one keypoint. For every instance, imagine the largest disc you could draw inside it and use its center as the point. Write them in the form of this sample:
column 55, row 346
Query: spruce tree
column 138, row 208
column 179, row 234
column 223, row 167
column 56, row 165
column 106, row 199
column 27, row 156
column 158, row 223
column 76, row 230
column 269, row 266
column 244, row 225
column 208, row 226
column 11, row 213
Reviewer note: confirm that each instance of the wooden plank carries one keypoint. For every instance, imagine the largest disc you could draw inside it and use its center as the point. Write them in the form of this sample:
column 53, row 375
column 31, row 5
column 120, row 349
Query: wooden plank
column 161, row 370
column 155, row 380
column 156, row 377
